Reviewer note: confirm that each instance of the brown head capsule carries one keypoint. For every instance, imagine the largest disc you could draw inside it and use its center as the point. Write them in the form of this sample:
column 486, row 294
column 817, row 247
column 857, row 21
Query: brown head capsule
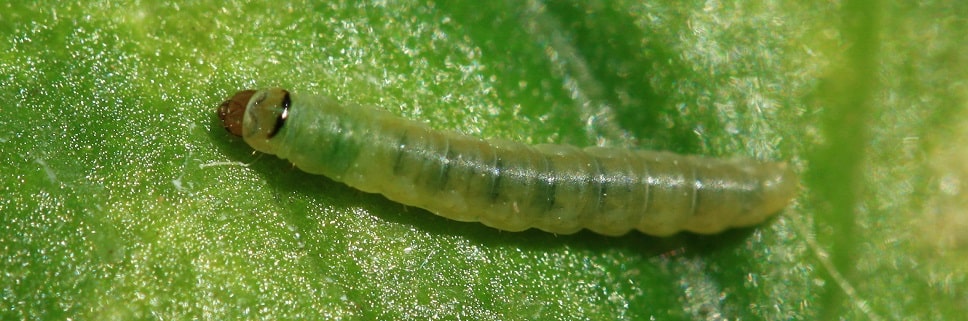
column 232, row 111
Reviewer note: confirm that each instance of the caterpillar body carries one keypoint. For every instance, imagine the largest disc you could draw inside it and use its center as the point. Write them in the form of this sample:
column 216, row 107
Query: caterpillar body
column 504, row 184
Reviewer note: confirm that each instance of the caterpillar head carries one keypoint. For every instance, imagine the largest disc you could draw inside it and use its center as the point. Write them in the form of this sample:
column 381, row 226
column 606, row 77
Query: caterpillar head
column 256, row 116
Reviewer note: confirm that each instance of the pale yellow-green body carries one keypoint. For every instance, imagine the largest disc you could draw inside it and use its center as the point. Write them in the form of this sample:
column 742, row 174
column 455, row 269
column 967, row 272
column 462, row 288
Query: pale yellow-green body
column 513, row 186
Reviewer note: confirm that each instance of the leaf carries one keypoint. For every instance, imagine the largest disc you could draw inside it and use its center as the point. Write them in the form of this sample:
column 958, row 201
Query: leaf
column 122, row 197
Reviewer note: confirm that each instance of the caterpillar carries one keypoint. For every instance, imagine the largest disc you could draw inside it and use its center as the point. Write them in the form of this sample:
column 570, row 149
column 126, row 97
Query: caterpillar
column 504, row 184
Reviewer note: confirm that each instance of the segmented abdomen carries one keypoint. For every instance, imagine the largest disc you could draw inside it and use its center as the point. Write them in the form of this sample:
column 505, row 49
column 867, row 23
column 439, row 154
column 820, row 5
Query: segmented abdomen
column 513, row 186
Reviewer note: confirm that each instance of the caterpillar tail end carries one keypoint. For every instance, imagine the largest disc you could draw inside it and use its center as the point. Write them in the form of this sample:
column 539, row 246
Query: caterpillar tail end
column 232, row 111
column 778, row 188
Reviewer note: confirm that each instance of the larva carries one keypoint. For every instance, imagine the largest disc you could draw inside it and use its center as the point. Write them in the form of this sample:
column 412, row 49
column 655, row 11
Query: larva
column 508, row 185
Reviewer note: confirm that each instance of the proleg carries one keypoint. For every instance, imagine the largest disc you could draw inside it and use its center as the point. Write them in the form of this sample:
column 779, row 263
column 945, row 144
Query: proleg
column 509, row 185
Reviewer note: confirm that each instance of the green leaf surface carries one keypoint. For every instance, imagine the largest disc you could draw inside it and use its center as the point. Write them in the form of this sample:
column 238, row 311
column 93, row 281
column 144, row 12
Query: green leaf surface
column 122, row 197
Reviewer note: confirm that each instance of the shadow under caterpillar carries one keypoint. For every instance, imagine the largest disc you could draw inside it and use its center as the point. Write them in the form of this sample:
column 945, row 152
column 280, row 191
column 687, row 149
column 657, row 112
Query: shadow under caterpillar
column 504, row 184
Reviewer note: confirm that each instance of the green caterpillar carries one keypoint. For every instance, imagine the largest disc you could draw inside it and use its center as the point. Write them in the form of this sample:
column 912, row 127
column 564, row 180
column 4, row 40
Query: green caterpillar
column 508, row 185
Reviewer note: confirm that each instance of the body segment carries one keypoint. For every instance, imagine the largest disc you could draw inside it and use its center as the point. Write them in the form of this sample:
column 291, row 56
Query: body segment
column 510, row 185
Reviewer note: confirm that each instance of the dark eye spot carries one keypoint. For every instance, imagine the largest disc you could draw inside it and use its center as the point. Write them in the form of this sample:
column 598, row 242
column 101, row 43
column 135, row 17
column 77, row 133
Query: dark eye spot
column 283, row 115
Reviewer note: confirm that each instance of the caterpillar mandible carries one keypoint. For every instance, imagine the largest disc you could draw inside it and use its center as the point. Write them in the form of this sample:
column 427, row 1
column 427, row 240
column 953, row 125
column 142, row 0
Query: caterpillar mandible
column 508, row 185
